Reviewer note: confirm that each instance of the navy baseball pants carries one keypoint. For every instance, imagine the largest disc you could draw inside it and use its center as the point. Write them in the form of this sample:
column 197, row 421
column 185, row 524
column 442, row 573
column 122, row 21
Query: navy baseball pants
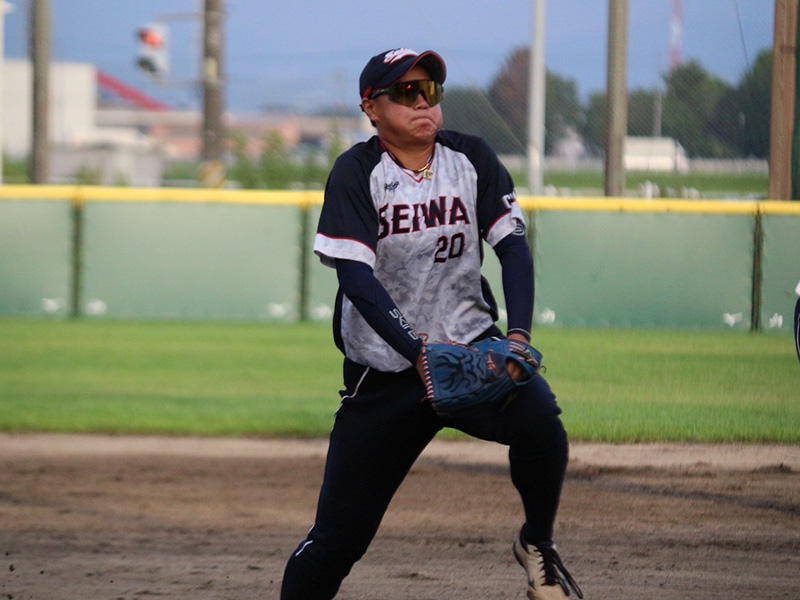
column 381, row 428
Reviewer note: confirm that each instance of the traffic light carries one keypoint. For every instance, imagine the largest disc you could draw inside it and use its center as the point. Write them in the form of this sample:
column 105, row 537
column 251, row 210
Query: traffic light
column 153, row 48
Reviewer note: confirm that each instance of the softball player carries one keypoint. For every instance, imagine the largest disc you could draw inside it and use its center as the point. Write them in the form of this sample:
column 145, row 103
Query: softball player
column 797, row 328
column 403, row 223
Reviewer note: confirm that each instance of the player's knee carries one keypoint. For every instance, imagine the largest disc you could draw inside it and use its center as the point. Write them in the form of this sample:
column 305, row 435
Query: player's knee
column 536, row 413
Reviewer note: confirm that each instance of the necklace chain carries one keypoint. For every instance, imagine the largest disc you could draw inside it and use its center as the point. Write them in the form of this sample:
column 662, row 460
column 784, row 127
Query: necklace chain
column 426, row 166
column 426, row 171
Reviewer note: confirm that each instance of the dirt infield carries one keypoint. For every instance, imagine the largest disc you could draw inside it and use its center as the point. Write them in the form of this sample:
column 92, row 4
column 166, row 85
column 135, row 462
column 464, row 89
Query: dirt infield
column 105, row 518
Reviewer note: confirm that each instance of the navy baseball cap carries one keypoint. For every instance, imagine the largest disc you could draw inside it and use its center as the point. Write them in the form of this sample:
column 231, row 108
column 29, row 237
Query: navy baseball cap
column 387, row 67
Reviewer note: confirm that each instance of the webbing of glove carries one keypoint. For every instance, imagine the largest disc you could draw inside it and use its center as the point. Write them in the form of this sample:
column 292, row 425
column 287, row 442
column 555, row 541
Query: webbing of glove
column 458, row 376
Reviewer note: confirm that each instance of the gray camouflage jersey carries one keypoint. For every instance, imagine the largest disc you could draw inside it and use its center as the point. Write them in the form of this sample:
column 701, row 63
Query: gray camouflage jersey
column 422, row 237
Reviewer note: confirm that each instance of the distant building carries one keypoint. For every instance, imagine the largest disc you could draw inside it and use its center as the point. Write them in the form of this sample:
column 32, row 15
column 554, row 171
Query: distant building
column 658, row 154
column 101, row 125
column 77, row 143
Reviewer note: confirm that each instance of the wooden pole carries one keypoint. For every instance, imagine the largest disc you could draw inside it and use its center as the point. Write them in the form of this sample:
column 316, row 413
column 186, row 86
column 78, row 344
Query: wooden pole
column 40, row 61
column 617, row 97
column 214, row 134
column 783, row 100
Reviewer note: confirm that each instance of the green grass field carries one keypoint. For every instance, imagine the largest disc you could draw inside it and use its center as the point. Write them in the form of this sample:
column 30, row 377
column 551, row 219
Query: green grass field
column 709, row 185
column 255, row 379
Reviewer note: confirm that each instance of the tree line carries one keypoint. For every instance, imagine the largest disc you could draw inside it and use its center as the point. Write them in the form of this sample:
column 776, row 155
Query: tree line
column 709, row 117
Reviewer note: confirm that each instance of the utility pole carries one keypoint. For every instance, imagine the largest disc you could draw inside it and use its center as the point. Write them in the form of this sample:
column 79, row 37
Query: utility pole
column 617, row 97
column 783, row 99
column 795, row 160
column 5, row 7
column 676, row 36
column 537, row 85
column 214, row 134
column 40, row 61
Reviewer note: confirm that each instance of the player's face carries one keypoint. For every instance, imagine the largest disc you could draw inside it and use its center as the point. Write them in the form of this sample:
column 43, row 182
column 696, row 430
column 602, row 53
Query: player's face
column 405, row 126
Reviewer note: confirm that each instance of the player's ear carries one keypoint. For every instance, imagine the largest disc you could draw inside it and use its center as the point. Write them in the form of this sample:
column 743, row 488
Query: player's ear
column 368, row 106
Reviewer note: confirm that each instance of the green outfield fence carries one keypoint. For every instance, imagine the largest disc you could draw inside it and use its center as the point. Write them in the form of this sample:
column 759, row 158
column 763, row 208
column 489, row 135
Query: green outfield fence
column 152, row 253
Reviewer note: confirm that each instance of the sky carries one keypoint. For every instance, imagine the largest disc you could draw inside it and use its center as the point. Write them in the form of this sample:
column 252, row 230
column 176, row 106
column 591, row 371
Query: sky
column 308, row 54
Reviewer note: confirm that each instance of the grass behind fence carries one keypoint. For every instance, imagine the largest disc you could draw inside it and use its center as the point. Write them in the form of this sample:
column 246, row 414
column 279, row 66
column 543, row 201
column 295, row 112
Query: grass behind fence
column 260, row 379
column 672, row 185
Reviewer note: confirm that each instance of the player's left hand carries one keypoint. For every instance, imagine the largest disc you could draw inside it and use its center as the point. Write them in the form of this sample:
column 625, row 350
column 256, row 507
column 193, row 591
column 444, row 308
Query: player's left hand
column 515, row 369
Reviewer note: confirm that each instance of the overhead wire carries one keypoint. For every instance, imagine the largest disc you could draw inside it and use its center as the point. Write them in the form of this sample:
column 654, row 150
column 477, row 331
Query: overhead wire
column 741, row 34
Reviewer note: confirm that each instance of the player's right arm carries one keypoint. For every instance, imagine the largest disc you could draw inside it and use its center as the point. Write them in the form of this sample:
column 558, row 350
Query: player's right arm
column 359, row 284
column 347, row 239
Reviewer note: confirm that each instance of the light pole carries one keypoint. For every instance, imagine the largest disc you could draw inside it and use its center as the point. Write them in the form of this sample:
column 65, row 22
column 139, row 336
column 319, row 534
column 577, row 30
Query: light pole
column 537, row 84
column 5, row 7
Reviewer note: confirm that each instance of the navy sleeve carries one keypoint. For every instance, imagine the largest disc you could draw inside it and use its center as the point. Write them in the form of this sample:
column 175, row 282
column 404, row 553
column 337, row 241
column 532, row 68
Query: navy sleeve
column 518, row 283
column 371, row 299
column 348, row 211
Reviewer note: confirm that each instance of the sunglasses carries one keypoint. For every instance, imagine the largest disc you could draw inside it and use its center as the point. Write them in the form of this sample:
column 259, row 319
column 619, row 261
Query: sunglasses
column 406, row 92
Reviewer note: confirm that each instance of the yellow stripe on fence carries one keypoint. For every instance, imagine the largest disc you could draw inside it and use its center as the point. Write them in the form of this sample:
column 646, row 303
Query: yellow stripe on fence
column 735, row 207
column 78, row 195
